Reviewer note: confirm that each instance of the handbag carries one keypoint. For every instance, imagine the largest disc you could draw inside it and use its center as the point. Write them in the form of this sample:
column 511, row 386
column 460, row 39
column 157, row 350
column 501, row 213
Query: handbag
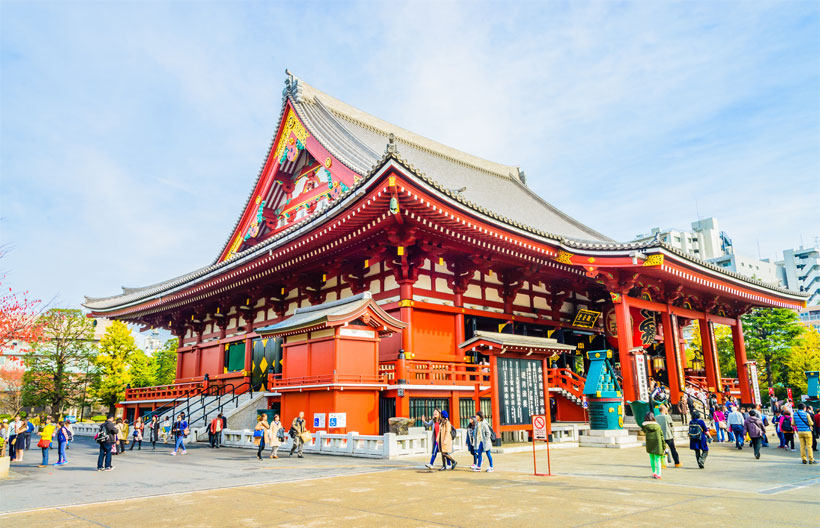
column 257, row 433
column 306, row 437
column 43, row 443
column 722, row 424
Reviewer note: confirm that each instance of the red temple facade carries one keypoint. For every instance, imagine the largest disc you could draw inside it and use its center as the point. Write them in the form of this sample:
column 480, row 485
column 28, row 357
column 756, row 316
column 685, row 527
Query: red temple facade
column 465, row 262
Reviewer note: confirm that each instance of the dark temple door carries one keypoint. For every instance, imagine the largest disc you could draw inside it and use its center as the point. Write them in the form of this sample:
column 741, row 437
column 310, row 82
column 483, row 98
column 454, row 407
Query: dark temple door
column 267, row 355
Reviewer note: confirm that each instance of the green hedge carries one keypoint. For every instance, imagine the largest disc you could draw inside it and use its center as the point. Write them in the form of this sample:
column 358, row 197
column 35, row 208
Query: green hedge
column 5, row 417
column 99, row 418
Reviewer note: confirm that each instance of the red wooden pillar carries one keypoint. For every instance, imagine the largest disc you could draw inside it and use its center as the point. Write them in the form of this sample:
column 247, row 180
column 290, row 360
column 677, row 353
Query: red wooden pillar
column 710, row 360
column 673, row 371
column 455, row 412
column 740, row 359
column 458, row 302
column 197, row 361
column 545, row 369
column 624, row 324
column 248, row 358
column 494, row 400
column 406, row 315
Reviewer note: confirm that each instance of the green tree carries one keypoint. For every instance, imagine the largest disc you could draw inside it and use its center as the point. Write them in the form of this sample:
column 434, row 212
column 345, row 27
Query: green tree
column 57, row 368
column 164, row 363
column 804, row 357
column 115, row 350
column 141, row 369
column 770, row 334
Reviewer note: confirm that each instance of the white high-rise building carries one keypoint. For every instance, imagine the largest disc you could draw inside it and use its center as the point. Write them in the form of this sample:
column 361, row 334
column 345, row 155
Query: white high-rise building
column 800, row 271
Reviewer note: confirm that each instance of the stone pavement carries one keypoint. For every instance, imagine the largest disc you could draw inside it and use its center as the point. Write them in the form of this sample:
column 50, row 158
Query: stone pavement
column 592, row 487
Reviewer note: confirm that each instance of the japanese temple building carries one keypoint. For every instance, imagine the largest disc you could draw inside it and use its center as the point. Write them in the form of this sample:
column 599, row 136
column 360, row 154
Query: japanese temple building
column 451, row 272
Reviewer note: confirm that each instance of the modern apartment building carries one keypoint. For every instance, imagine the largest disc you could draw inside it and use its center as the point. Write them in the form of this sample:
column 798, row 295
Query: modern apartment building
column 800, row 271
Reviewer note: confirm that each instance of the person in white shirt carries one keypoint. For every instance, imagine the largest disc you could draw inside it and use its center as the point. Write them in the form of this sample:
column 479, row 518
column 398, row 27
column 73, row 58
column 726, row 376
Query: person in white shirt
column 735, row 422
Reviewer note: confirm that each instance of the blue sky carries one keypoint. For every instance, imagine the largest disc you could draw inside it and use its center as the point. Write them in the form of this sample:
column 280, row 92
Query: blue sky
column 130, row 134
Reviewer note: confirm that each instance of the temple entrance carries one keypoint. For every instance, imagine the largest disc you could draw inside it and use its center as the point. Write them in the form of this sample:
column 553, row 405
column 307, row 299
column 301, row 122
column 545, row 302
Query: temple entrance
column 266, row 359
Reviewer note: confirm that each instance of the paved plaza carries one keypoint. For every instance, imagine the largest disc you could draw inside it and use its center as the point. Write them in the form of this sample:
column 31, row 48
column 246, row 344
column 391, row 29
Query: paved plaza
column 591, row 487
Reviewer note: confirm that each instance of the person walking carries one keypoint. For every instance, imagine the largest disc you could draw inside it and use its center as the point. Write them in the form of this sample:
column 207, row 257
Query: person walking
column 764, row 440
column 445, row 440
column 166, row 430
column 735, row 422
column 719, row 419
column 180, row 431
column 655, row 444
column 787, row 428
column 435, row 424
column 276, row 435
column 216, row 431
column 816, row 419
column 120, row 447
column 471, row 447
column 28, row 432
column 776, row 423
column 259, row 434
column 699, row 439
column 63, row 435
column 107, row 438
column 126, row 429
column 46, row 436
column 299, row 434
column 668, row 430
column 483, row 438
column 137, row 434
column 153, row 430
column 757, row 431
column 804, row 424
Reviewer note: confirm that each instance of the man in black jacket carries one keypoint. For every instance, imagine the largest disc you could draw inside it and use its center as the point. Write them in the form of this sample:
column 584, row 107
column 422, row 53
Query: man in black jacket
column 106, row 437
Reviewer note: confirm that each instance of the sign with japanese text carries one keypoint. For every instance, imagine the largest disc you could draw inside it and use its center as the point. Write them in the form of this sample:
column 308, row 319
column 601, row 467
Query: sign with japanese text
column 586, row 318
column 539, row 427
column 640, row 375
column 520, row 390
column 752, row 372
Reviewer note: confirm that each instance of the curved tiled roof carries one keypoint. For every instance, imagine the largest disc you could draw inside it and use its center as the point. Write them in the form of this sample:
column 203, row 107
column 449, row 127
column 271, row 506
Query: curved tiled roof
column 490, row 189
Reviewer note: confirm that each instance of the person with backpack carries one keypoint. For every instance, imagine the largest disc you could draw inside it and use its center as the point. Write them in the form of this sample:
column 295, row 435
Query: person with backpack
column 699, row 439
column 483, row 438
column 276, row 435
column 216, row 431
column 106, row 438
column 787, row 428
column 298, row 433
column 180, row 431
column 447, row 434
column 804, row 424
column 757, row 431
column 655, row 443
column 63, row 437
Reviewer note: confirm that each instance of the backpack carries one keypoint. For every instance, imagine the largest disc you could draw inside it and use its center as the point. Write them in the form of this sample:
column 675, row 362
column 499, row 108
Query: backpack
column 453, row 432
column 493, row 437
column 101, row 435
column 695, row 430
column 280, row 434
column 786, row 426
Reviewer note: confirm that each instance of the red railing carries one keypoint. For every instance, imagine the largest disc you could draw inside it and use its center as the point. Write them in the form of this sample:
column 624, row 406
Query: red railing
column 275, row 380
column 732, row 384
column 434, row 372
column 163, row 392
column 568, row 380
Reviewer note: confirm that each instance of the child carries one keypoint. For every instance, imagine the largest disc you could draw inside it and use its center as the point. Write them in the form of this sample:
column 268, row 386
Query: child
column 654, row 444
